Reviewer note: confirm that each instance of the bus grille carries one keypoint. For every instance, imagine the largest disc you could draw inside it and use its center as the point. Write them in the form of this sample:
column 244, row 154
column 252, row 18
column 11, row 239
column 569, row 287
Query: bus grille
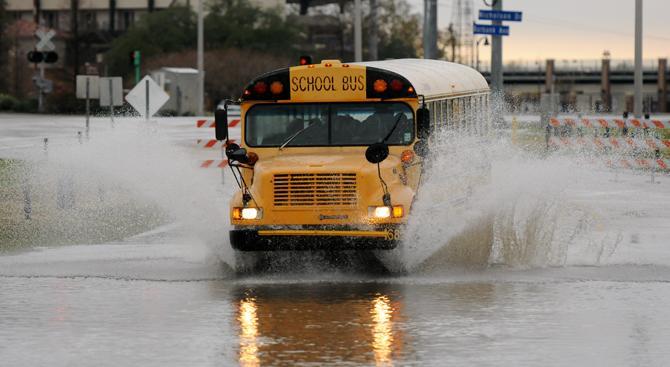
column 315, row 189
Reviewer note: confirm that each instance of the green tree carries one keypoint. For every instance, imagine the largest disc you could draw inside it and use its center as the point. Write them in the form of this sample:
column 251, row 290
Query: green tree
column 170, row 30
column 239, row 24
column 230, row 24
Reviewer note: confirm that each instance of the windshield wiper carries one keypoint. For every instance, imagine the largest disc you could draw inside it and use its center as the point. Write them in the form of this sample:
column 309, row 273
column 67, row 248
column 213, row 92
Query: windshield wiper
column 295, row 135
column 397, row 121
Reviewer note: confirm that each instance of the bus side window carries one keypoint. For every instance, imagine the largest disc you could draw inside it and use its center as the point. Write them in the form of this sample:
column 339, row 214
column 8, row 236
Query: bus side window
column 448, row 113
column 445, row 114
column 474, row 114
column 452, row 114
column 480, row 115
column 467, row 115
column 458, row 112
column 472, row 120
column 438, row 114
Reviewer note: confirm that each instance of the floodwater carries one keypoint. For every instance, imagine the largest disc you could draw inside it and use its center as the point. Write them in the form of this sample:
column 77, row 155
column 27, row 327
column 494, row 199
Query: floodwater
column 130, row 304
column 579, row 274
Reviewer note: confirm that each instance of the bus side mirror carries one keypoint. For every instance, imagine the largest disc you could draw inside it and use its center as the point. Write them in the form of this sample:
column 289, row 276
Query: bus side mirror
column 423, row 122
column 235, row 153
column 221, row 124
column 376, row 153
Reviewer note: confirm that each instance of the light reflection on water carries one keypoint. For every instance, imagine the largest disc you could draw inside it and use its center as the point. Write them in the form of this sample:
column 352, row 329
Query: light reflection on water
column 308, row 324
column 248, row 333
column 382, row 330
column 79, row 321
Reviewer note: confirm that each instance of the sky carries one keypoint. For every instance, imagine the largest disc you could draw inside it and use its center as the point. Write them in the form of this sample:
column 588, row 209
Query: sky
column 575, row 29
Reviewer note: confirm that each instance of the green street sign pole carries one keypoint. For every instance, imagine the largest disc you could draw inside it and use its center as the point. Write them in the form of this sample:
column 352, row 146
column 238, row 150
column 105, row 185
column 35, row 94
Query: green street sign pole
column 136, row 59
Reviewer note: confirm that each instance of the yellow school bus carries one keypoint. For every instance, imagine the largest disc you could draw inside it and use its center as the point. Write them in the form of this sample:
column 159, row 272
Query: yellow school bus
column 331, row 155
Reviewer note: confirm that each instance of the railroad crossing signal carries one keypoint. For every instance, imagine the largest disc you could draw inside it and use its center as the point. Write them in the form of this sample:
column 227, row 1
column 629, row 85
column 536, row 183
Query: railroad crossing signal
column 44, row 43
column 43, row 53
column 44, row 48
column 37, row 57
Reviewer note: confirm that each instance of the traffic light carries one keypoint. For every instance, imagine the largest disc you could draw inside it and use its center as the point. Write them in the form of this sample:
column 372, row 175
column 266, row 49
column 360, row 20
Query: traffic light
column 136, row 62
column 135, row 58
column 305, row 60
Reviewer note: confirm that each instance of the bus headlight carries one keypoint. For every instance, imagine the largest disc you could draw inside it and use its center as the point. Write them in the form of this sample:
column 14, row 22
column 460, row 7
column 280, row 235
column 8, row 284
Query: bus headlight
column 383, row 212
column 247, row 213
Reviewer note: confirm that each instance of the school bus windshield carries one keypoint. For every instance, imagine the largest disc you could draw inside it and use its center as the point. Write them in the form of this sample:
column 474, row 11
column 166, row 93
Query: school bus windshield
column 329, row 124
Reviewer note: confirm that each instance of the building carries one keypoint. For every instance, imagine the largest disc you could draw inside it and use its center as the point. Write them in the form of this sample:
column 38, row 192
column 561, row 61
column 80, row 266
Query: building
column 84, row 32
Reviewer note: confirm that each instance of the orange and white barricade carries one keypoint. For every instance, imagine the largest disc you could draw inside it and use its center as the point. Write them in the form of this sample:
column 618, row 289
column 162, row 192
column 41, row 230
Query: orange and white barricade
column 612, row 123
column 625, row 143
column 640, row 163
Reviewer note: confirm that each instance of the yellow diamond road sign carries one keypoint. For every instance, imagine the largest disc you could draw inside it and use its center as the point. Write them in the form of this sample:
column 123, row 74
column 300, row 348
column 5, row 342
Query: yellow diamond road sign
column 147, row 97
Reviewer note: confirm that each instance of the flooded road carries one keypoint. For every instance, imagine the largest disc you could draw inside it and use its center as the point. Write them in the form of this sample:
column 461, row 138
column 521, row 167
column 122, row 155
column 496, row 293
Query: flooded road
column 578, row 273
column 170, row 305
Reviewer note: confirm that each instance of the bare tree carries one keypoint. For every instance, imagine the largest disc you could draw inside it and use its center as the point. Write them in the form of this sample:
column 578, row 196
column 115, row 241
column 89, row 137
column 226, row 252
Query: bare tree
column 227, row 71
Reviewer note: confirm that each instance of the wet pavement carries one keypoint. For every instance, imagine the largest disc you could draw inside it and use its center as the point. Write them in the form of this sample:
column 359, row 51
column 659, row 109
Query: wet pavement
column 583, row 279
column 174, row 305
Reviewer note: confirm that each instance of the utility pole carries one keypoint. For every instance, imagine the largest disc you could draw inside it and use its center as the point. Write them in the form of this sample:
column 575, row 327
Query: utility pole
column 662, row 85
column 38, row 11
column 637, row 110
column 496, row 54
column 112, row 16
column 373, row 38
column 429, row 29
column 201, row 60
column 358, row 32
column 74, row 29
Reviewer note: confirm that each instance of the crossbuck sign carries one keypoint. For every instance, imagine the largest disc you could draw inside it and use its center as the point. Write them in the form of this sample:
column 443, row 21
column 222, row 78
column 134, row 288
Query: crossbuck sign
column 44, row 43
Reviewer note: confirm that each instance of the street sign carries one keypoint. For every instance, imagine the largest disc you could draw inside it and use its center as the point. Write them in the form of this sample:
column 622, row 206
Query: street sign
column 494, row 30
column 147, row 97
column 500, row 15
column 45, row 85
column 111, row 91
column 44, row 43
column 88, row 86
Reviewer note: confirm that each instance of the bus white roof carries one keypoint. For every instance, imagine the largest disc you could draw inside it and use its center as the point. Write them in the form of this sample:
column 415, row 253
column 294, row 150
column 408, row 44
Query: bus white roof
column 435, row 78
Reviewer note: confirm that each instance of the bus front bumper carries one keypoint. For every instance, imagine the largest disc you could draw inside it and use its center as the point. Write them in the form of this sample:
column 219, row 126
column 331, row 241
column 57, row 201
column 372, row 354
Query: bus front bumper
column 299, row 240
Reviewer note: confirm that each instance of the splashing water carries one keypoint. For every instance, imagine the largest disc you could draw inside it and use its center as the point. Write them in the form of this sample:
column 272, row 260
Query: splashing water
column 482, row 202
column 140, row 162
column 486, row 202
